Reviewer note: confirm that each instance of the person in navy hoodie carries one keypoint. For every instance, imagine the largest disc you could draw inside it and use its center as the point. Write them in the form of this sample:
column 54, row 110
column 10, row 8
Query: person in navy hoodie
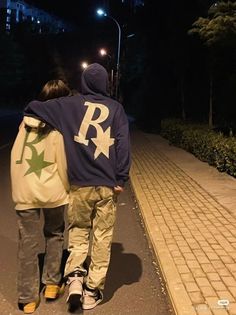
column 97, row 143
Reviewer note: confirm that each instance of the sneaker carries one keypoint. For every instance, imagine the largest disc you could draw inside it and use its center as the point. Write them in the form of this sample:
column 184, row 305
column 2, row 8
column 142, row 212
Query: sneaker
column 91, row 298
column 53, row 291
column 75, row 283
column 30, row 308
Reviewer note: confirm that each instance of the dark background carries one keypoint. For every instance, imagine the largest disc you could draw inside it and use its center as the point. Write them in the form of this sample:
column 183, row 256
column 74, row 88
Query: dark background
column 160, row 65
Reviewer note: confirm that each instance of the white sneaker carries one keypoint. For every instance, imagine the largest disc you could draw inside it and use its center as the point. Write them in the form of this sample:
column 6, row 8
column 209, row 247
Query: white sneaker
column 91, row 298
column 75, row 283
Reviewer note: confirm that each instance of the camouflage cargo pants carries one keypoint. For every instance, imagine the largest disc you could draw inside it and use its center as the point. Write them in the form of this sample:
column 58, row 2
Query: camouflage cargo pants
column 91, row 216
column 28, row 249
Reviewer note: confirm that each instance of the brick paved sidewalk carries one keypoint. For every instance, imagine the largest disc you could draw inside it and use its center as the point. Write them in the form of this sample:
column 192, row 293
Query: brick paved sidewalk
column 192, row 233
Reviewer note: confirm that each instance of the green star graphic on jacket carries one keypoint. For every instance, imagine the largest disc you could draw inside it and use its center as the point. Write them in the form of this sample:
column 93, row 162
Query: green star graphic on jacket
column 37, row 163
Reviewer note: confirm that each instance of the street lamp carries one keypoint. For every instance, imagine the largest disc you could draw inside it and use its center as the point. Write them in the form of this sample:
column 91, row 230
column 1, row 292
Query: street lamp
column 101, row 12
column 84, row 64
column 103, row 52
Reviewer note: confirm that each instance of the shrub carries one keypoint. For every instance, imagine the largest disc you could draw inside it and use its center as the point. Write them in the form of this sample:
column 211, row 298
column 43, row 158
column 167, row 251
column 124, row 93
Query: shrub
column 206, row 144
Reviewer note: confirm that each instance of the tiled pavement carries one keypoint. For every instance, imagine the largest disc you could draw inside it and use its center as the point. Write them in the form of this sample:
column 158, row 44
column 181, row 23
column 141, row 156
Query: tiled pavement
column 188, row 210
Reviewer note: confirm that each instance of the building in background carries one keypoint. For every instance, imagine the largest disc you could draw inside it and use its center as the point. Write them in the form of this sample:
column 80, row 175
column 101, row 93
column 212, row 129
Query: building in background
column 13, row 12
column 132, row 4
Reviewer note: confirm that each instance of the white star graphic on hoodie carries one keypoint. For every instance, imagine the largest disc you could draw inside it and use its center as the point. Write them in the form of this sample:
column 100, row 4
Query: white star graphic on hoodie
column 103, row 143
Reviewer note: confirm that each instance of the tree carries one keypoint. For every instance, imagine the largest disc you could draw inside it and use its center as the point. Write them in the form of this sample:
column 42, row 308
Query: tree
column 218, row 33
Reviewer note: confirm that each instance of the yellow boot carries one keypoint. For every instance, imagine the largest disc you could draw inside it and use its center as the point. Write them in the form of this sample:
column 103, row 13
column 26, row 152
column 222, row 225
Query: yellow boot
column 52, row 291
column 30, row 308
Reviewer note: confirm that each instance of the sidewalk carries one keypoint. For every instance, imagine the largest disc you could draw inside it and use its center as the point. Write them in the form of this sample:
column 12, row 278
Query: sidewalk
column 189, row 210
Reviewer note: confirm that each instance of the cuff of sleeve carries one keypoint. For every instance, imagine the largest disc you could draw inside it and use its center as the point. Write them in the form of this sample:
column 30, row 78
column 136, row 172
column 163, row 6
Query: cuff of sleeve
column 120, row 183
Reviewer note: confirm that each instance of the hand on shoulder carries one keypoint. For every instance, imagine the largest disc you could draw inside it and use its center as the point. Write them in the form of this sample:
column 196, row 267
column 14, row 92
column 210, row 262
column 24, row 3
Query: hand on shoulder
column 118, row 189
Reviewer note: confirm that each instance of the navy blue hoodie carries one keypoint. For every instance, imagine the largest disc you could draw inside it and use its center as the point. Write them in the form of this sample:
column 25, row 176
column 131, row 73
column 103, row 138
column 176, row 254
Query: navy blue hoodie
column 95, row 131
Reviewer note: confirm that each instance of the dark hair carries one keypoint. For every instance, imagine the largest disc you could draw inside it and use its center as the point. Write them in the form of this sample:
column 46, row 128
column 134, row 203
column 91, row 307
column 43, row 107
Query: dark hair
column 52, row 89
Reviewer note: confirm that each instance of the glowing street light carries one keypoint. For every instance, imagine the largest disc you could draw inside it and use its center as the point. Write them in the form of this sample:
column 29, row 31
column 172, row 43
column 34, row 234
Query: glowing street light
column 84, row 64
column 101, row 12
column 103, row 53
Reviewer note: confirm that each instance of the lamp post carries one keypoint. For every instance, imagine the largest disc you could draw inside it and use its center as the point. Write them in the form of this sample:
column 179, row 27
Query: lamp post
column 103, row 52
column 100, row 12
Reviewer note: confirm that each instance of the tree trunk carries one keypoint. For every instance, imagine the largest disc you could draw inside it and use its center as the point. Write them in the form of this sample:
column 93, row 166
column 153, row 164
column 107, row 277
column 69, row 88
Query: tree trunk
column 210, row 118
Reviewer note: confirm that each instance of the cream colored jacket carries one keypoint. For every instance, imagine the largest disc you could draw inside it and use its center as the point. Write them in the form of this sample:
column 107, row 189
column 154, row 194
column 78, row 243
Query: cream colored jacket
column 38, row 169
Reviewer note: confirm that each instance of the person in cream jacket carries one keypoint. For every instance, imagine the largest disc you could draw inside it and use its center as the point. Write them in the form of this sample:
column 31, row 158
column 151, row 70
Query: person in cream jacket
column 39, row 184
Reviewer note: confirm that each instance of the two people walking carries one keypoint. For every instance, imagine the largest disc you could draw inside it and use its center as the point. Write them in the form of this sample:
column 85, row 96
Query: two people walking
column 95, row 131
